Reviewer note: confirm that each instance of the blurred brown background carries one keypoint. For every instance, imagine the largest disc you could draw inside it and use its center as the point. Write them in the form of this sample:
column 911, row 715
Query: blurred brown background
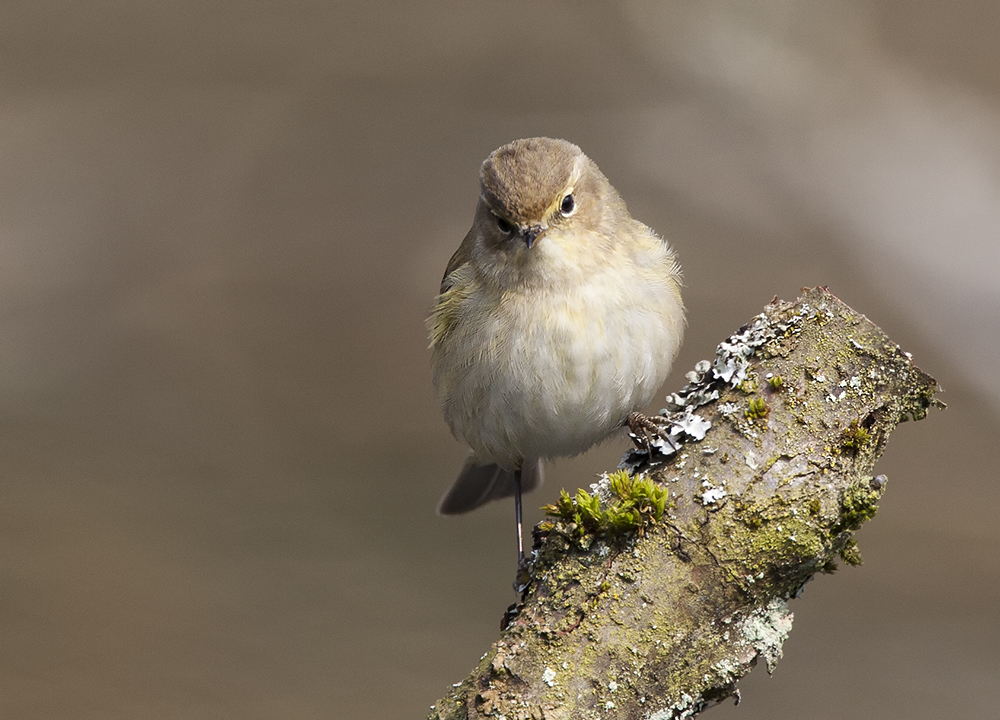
column 221, row 227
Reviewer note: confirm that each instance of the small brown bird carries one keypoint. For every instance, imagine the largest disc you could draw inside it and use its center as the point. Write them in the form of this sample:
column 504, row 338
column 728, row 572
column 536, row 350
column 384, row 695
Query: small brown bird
column 558, row 317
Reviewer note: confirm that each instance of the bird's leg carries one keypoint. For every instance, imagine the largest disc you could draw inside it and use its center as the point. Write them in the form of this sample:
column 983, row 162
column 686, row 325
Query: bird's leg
column 517, row 516
column 640, row 425
column 522, row 566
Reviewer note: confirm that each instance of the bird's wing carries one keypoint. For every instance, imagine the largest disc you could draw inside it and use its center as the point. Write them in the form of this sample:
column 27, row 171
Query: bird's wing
column 460, row 258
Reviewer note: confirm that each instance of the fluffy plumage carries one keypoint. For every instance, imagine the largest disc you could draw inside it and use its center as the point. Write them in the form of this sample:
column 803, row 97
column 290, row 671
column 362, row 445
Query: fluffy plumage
column 558, row 316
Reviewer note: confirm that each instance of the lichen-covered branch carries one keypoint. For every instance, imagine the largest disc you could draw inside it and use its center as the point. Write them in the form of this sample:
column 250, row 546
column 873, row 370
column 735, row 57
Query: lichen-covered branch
column 767, row 455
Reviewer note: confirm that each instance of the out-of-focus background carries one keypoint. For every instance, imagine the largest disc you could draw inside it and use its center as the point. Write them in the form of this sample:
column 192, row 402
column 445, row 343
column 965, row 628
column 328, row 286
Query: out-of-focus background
column 221, row 227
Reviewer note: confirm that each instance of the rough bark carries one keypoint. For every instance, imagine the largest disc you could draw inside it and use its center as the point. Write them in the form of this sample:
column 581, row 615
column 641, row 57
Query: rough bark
column 662, row 621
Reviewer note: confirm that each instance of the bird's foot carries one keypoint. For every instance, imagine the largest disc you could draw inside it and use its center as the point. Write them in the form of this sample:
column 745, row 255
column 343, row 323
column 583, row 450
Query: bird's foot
column 640, row 427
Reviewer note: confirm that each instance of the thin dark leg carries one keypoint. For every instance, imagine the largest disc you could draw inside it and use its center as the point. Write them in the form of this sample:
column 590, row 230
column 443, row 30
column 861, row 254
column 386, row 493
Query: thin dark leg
column 517, row 515
column 521, row 580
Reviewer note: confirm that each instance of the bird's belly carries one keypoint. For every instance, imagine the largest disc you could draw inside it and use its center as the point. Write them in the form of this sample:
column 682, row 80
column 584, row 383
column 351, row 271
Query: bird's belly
column 562, row 373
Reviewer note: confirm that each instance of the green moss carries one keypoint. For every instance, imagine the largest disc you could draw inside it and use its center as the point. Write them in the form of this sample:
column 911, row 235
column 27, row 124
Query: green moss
column 637, row 503
column 858, row 505
column 776, row 382
column 924, row 400
column 854, row 438
column 815, row 506
column 756, row 408
column 851, row 554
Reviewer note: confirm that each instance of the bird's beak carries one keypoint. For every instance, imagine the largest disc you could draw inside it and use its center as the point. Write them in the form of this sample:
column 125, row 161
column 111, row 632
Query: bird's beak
column 532, row 233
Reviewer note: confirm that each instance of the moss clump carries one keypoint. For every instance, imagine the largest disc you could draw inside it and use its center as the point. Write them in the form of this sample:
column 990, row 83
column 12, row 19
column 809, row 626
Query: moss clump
column 829, row 567
column 855, row 437
column 637, row 502
column 756, row 408
column 858, row 505
column 815, row 506
column 776, row 382
column 851, row 554
column 924, row 400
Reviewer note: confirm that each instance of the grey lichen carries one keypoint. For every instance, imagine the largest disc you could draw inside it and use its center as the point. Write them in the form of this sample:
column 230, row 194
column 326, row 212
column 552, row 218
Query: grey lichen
column 766, row 630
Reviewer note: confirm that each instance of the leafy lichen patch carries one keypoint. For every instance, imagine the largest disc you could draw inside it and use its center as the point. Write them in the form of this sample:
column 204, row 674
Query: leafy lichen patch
column 766, row 629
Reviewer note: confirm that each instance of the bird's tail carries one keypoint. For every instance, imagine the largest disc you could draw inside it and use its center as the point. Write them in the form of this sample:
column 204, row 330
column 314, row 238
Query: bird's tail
column 479, row 483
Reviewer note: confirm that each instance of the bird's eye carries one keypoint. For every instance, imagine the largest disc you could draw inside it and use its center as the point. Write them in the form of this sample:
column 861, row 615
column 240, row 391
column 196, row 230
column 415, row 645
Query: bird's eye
column 568, row 205
column 505, row 227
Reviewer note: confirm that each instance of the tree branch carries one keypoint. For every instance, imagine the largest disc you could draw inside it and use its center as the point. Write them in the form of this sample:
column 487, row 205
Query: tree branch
column 767, row 454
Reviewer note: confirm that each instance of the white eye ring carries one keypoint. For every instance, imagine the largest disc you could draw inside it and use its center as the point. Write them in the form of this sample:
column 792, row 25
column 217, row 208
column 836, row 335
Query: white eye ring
column 568, row 205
